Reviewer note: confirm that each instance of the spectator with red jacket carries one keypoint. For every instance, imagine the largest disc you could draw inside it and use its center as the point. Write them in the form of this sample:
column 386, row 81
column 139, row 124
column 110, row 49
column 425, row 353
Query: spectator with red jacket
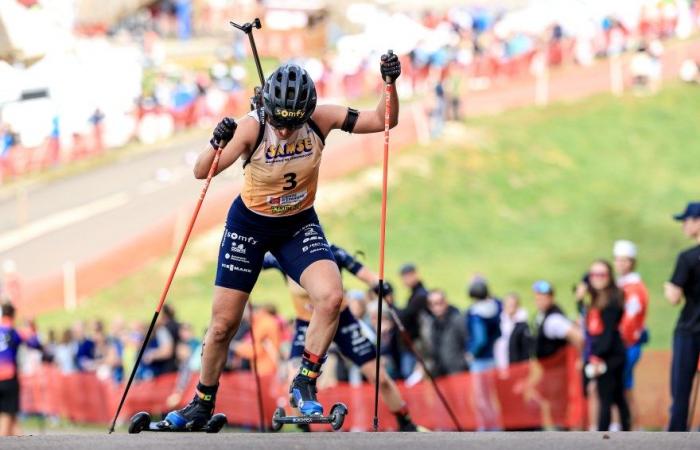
column 606, row 363
column 632, row 326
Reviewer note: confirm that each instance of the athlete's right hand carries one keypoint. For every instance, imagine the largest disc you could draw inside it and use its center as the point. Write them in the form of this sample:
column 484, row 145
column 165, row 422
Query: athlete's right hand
column 223, row 132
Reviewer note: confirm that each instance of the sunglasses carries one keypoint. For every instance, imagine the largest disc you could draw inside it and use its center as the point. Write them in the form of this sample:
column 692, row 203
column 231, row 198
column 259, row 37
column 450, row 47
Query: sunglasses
column 599, row 274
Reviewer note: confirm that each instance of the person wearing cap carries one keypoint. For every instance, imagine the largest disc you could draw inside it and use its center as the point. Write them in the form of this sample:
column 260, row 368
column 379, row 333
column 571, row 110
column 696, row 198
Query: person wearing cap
column 685, row 283
column 554, row 329
column 410, row 315
column 483, row 329
column 632, row 326
column 554, row 332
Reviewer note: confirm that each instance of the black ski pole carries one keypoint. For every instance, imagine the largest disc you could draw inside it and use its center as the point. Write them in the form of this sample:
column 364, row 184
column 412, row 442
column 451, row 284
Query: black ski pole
column 409, row 342
column 247, row 28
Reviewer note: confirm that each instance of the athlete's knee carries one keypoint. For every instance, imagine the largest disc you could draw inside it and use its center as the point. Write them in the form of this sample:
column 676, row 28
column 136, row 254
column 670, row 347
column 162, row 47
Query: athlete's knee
column 329, row 302
column 384, row 381
column 221, row 331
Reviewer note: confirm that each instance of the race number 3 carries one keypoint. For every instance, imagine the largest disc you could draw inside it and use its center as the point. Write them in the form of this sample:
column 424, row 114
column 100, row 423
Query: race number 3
column 291, row 179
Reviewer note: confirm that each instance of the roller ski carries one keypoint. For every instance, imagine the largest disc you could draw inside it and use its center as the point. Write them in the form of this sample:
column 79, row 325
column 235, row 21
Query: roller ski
column 196, row 416
column 302, row 396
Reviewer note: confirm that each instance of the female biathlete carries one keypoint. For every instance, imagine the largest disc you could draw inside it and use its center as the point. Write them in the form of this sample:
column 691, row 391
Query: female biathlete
column 275, row 213
column 349, row 338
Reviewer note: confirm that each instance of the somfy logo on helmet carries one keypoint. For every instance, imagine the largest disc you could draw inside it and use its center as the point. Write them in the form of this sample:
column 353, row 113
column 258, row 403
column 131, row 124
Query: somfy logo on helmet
column 289, row 113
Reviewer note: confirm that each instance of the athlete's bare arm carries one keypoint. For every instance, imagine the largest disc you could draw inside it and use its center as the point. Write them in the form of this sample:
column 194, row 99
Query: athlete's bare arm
column 369, row 277
column 331, row 117
column 242, row 143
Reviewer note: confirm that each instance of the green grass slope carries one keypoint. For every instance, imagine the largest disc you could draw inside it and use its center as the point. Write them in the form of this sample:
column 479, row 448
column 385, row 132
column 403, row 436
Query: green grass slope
column 533, row 193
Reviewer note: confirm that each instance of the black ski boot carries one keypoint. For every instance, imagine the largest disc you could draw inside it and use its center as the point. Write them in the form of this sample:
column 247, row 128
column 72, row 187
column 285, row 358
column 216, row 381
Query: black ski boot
column 196, row 414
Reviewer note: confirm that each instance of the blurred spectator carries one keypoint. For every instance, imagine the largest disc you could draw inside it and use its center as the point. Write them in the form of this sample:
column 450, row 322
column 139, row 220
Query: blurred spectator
column 357, row 302
column 49, row 348
column 632, row 327
column 389, row 334
column 685, row 284
column 645, row 67
column 8, row 138
column 10, row 340
column 393, row 349
column 690, row 71
column 453, row 92
column 554, row 332
column 554, row 329
column 483, row 328
column 410, row 315
column 108, row 353
column 515, row 343
column 444, row 335
column 437, row 110
column 64, row 354
column 266, row 331
column 607, row 351
column 189, row 351
column 85, row 348
column 159, row 357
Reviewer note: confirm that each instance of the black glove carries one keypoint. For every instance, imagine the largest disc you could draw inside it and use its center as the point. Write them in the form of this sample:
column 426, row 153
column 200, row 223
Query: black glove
column 388, row 289
column 390, row 66
column 223, row 132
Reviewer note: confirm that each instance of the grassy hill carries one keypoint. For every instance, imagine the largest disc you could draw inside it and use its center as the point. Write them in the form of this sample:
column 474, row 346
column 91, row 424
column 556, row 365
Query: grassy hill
column 533, row 193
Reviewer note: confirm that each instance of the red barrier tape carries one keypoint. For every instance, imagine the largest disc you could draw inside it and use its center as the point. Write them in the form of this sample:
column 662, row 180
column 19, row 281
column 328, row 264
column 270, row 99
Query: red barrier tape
column 527, row 395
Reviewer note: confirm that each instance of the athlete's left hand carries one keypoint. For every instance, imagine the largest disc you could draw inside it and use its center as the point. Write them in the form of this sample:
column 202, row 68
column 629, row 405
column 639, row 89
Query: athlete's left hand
column 390, row 67
column 223, row 132
column 388, row 290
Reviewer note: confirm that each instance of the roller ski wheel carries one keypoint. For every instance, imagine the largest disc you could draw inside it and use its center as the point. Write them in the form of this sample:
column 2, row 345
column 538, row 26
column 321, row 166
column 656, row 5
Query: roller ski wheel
column 276, row 422
column 335, row 419
column 216, row 423
column 142, row 422
column 139, row 422
column 338, row 413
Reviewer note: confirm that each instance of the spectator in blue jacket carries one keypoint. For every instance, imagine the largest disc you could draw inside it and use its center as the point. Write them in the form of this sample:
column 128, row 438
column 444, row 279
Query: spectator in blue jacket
column 483, row 329
column 483, row 325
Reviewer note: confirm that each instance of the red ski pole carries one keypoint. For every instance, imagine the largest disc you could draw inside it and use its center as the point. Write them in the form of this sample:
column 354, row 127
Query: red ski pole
column 164, row 294
column 382, row 241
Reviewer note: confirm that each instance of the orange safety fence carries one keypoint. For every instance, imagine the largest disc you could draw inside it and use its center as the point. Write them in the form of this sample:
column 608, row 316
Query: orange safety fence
column 527, row 395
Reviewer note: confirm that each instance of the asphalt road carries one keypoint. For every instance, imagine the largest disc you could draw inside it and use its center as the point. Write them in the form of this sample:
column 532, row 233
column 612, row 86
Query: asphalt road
column 79, row 217
column 405, row 441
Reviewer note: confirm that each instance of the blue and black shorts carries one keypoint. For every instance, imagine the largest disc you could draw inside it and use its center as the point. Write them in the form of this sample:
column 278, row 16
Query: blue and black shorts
column 296, row 241
column 349, row 339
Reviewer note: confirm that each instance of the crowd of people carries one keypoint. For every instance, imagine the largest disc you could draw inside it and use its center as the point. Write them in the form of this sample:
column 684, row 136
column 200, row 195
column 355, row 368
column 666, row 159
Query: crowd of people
column 608, row 328
column 456, row 51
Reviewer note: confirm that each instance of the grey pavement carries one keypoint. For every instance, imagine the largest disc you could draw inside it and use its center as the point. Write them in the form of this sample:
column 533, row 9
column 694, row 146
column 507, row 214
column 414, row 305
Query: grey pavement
column 82, row 216
column 405, row 441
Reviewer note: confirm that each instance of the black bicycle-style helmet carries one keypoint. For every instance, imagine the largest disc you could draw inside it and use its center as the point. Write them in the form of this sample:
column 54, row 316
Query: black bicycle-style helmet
column 289, row 97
